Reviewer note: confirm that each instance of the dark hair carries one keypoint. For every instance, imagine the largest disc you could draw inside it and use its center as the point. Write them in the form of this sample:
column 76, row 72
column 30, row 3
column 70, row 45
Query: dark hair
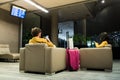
column 35, row 31
column 104, row 37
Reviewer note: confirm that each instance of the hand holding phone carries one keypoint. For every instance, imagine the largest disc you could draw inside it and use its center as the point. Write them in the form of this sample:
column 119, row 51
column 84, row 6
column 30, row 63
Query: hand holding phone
column 47, row 37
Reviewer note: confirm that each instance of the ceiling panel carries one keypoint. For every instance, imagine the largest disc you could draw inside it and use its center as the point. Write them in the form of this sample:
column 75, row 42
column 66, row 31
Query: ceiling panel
column 56, row 3
column 75, row 11
column 67, row 9
column 3, row 1
column 5, row 6
column 24, row 4
column 45, row 3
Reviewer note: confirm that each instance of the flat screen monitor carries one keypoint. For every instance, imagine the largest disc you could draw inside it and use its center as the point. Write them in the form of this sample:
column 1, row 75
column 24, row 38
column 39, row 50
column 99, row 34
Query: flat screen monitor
column 18, row 11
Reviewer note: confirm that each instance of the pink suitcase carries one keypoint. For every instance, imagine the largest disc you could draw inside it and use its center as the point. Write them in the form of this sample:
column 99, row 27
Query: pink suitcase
column 73, row 61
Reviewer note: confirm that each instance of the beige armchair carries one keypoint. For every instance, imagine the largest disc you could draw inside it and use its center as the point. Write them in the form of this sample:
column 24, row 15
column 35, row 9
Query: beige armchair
column 96, row 58
column 40, row 58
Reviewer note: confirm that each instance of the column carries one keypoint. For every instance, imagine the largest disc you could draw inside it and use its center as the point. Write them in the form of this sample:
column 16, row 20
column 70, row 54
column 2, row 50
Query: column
column 84, row 26
column 21, row 34
column 54, row 27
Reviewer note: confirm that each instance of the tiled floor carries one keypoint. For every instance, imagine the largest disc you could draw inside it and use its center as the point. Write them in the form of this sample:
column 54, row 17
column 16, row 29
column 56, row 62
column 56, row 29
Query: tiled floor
column 10, row 71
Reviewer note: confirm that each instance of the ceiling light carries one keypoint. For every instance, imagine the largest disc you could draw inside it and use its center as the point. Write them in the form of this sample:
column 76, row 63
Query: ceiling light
column 103, row 1
column 37, row 6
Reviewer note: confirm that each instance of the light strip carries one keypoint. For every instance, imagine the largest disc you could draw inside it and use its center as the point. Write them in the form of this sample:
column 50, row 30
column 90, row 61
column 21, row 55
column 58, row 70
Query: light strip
column 37, row 6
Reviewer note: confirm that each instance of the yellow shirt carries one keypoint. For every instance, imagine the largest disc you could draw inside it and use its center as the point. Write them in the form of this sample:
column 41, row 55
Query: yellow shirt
column 104, row 43
column 41, row 40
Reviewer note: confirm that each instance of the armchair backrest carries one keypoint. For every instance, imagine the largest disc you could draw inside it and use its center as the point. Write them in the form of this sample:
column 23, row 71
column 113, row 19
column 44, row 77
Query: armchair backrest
column 34, row 52
column 109, row 45
column 35, row 47
column 4, row 49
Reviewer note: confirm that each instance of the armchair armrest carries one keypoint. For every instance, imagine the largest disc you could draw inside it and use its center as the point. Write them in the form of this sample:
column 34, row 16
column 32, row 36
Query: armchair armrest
column 22, row 59
column 55, row 59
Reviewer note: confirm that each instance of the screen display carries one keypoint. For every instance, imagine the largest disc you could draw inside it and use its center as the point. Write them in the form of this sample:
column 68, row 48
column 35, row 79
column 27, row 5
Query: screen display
column 18, row 11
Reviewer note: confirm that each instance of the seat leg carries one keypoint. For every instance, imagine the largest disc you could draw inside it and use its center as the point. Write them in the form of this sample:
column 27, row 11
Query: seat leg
column 50, row 73
column 107, row 70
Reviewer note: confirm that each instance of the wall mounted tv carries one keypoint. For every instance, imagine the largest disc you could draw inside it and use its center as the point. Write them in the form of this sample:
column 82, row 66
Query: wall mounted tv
column 18, row 11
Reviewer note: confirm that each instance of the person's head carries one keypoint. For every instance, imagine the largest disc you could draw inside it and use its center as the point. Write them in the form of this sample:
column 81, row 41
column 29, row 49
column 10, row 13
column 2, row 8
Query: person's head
column 36, row 31
column 104, row 36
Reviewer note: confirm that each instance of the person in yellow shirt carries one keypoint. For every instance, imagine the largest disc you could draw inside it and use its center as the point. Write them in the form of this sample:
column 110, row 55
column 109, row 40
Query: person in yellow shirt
column 104, row 43
column 36, row 33
column 103, row 40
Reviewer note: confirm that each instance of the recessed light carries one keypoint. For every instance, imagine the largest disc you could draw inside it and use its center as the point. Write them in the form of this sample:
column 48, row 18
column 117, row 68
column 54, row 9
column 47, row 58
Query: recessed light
column 103, row 1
